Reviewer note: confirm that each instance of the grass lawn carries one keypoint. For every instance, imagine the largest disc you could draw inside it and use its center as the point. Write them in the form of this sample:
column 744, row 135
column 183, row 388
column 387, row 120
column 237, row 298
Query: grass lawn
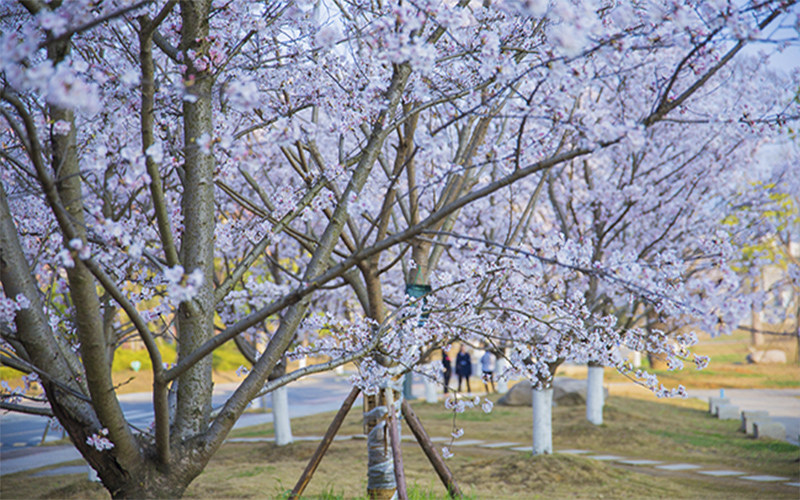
column 727, row 369
column 634, row 428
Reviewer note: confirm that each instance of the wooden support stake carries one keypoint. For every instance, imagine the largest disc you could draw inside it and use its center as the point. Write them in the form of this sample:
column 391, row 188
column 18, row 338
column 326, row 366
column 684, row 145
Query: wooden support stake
column 427, row 446
column 397, row 455
column 324, row 445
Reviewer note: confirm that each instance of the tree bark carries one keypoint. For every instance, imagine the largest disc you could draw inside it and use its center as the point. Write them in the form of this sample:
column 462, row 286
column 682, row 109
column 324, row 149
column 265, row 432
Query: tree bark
column 195, row 325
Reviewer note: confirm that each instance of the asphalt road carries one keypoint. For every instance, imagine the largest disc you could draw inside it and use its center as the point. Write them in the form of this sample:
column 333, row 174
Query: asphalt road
column 306, row 396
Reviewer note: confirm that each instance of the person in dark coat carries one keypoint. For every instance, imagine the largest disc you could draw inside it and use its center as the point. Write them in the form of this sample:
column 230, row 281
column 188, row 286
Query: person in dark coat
column 463, row 367
column 448, row 369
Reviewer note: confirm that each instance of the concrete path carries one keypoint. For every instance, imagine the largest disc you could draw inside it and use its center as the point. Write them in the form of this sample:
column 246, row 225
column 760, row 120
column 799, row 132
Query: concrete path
column 783, row 405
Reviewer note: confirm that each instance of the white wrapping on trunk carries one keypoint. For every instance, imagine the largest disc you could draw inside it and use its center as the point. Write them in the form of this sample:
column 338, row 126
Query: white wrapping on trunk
column 380, row 471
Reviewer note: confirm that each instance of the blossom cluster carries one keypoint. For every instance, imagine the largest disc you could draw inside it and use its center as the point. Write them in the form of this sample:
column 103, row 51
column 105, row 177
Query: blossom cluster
column 9, row 308
column 99, row 441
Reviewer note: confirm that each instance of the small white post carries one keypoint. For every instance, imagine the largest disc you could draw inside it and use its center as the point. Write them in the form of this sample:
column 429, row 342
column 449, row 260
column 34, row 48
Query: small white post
column 542, row 421
column 280, row 416
column 594, row 395
column 637, row 359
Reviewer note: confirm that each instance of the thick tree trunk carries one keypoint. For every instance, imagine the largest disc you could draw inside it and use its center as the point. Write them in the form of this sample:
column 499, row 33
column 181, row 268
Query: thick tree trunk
column 594, row 395
column 381, row 482
column 195, row 324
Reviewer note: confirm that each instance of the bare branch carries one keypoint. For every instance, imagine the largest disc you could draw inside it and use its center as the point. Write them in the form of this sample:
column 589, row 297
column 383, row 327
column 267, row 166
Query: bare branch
column 42, row 411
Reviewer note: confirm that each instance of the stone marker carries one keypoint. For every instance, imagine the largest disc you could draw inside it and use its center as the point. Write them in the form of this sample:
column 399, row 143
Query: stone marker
column 750, row 416
column 518, row 395
column 770, row 356
column 566, row 392
column 713, row 403
column 774, row 430
column 728, row 412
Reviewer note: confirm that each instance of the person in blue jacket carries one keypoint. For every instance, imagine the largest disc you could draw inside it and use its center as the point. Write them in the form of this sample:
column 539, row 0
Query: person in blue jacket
column 463, row 367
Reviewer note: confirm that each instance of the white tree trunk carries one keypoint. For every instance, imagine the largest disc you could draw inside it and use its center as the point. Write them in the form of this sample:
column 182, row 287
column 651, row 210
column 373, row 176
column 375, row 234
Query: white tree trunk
column 542, row 421
column 594, row 395
column 280, row 415
column 430, row 390
column 499, row 368
column 408, row 386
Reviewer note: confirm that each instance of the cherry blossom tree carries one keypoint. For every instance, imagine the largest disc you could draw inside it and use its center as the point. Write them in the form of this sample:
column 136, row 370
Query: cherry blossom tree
column 382, row 178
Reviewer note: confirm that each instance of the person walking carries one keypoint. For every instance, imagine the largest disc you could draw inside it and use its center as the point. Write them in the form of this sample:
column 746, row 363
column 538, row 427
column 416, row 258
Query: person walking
column 448, row 369
column 487, row 367
column 463, row 367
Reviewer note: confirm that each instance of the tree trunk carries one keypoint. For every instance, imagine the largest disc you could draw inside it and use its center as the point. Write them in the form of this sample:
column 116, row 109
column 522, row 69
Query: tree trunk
column 195, row 324
column 594, row 395
column 502, row 383
column 637, row 359
column 756, row 337
column 542, row 420
column 381, row 482
column 430, row 391
column 280, row 416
